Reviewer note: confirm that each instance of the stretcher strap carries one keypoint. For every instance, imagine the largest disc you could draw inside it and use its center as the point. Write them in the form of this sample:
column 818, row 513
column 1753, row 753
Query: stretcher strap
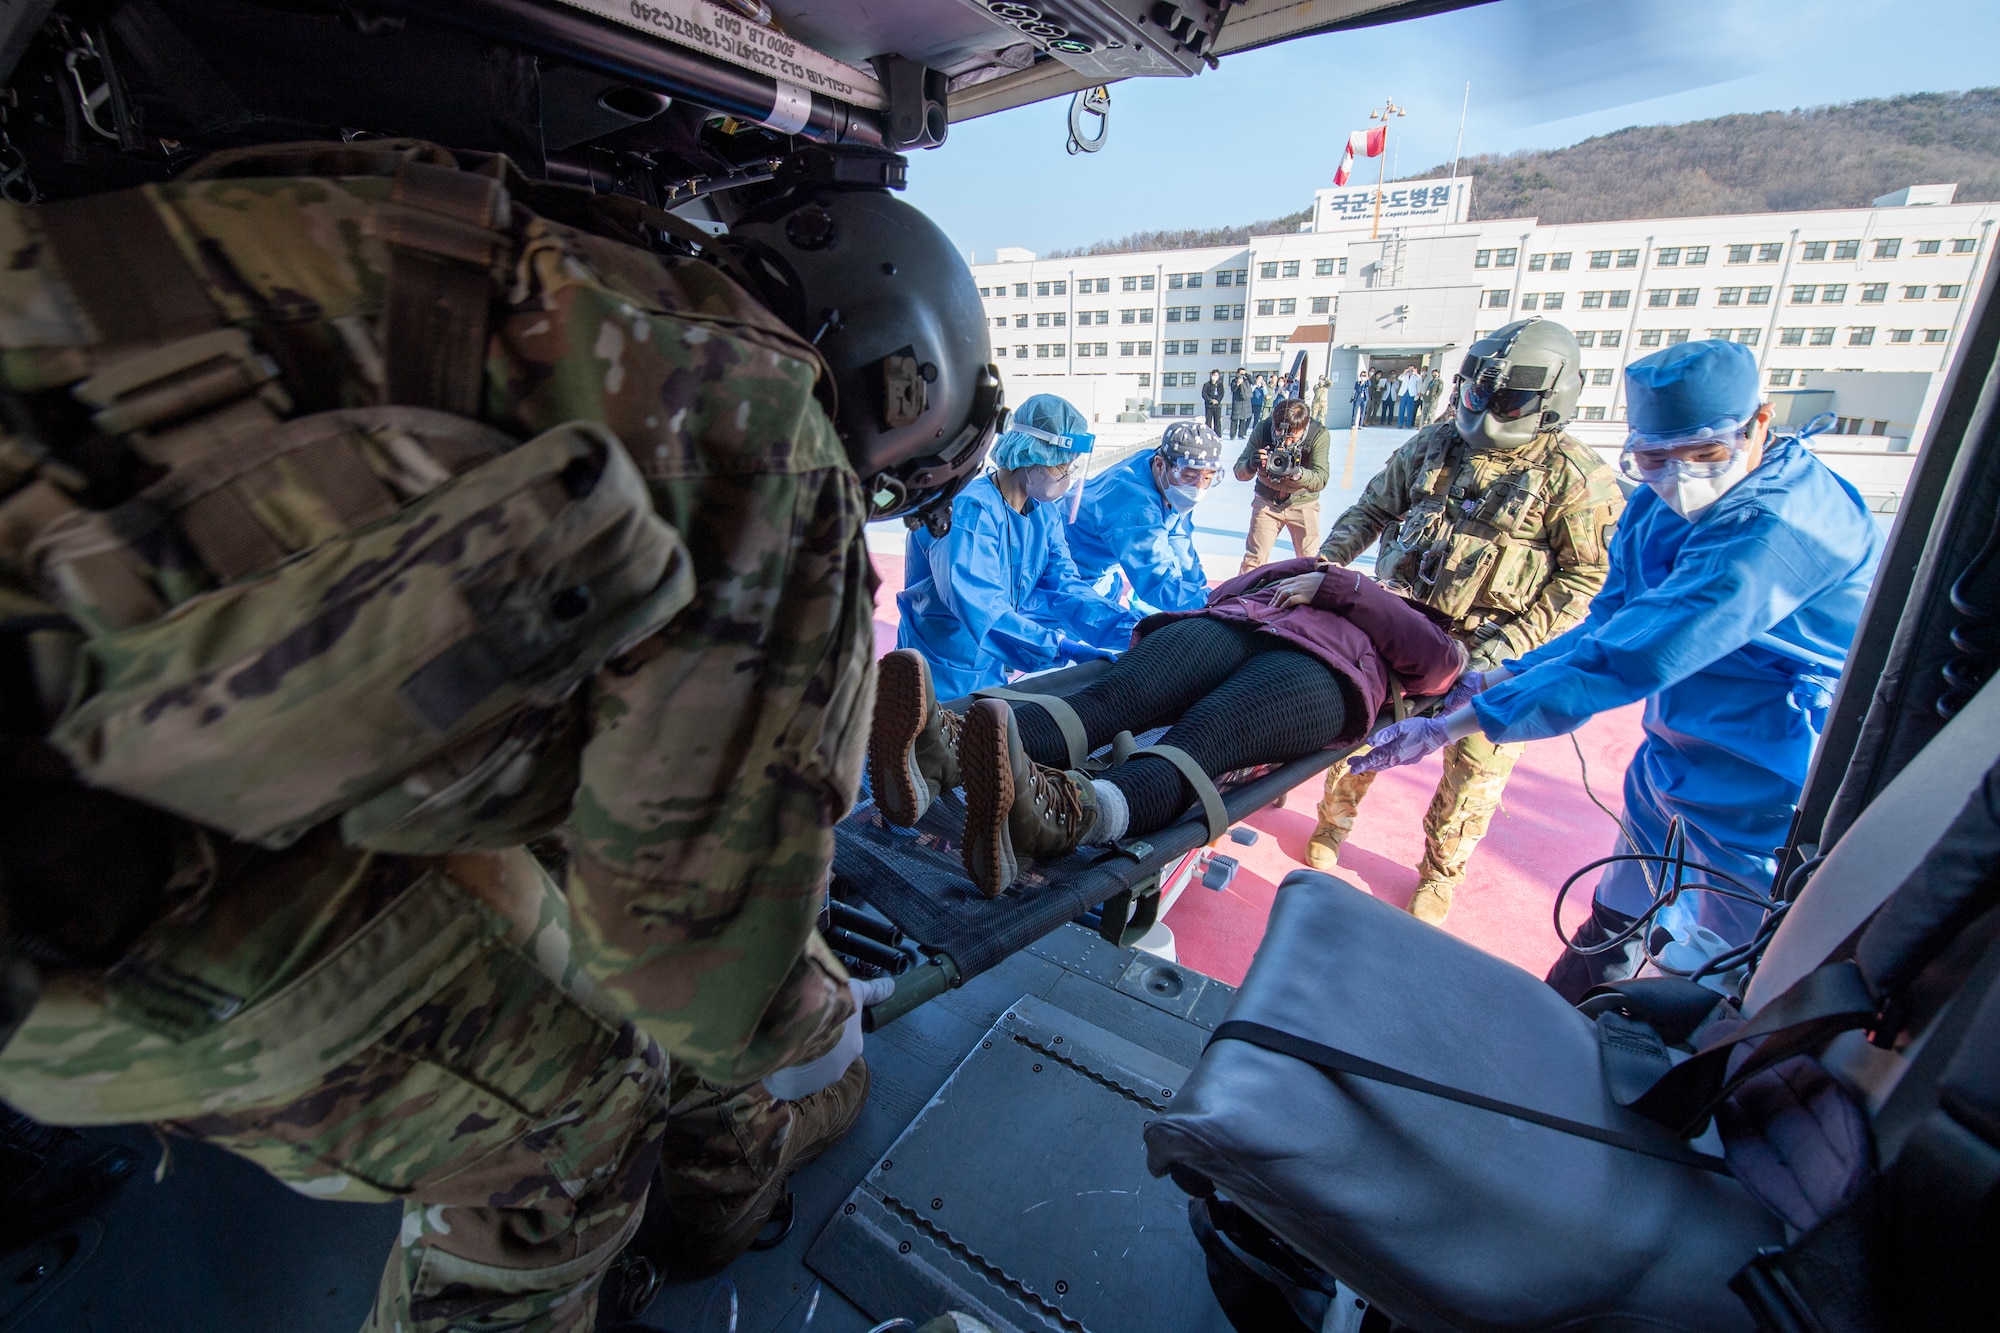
column 1066, row 720
column 1212, row 808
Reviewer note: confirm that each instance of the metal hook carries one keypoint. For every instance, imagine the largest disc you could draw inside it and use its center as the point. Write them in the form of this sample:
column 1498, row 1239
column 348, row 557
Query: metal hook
column 1090, row 102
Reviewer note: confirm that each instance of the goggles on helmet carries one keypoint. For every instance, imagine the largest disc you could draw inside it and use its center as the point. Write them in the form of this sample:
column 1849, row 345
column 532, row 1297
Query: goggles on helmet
column 1503, row 404
column 1494, row 384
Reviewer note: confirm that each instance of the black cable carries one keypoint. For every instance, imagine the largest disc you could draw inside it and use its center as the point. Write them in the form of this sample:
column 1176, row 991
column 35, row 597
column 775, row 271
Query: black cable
column 1741, row 892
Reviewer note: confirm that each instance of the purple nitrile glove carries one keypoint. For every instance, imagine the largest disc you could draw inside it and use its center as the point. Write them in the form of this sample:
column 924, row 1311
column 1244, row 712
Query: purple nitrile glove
column 1401, row 743
column 1469, row 684
column 1069, row 650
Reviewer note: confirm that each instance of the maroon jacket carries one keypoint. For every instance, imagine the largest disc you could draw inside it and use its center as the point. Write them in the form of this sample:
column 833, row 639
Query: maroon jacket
column 1353, row 624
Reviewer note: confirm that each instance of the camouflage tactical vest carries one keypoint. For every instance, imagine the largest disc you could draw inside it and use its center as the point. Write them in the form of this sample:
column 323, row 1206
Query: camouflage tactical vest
column 1475, row 544
column 377, row 611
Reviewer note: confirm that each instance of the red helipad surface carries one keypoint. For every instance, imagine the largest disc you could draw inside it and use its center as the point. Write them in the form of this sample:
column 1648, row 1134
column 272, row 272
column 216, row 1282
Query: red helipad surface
column 1546, row 828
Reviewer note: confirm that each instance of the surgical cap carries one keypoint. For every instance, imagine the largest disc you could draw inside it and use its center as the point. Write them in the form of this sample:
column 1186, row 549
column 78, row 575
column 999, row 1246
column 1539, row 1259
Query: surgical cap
column 1691, row 392
column 1047, row 415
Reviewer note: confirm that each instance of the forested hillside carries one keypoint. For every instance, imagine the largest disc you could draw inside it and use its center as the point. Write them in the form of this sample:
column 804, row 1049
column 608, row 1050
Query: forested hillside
column 1824, row 157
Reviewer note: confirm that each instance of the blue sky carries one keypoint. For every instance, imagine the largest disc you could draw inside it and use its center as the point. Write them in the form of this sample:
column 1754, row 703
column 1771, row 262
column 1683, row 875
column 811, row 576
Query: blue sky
column 1253, row 139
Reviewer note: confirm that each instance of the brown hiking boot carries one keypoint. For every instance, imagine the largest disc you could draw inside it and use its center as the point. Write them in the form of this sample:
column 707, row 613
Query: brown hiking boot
column 1323, row 848
column 913, row 744
column 1016, row 810
column 719, row 1227
column 1432, row 900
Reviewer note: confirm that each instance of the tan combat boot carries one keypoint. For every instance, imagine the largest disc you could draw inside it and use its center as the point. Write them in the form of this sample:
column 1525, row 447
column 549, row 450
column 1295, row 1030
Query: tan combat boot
column 1432, row 900
column 1016, row 810
column 913, row 744
column 718, row 1224
column 1323, row 848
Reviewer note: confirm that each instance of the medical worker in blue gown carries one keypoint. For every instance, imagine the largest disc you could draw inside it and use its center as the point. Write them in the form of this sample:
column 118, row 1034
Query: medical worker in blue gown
column 1137, row 520
column 1737, row 578
column 999, row 592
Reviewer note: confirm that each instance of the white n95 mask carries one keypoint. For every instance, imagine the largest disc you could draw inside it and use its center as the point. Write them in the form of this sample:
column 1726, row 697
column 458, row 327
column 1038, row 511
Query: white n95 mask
column 1183, row 498
column 1688, row 495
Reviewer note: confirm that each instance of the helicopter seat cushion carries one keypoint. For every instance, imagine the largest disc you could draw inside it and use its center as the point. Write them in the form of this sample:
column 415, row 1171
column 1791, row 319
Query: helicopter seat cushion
column 1447, row 1215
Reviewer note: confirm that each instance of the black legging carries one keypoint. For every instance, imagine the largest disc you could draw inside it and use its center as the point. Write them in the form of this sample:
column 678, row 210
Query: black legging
column 1235, row 697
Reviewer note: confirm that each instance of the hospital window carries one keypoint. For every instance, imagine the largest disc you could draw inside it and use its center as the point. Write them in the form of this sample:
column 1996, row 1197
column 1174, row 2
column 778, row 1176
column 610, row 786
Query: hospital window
column 1833, row 293
column 1611, row 338
column 1600, row 259
column 1280, row 341
column 1320, row 304
column 1192, row 314
column 1720, row 335
column 1872, row 292
column 1935, row 335
column 1552, row 301
column 1243, row 277
column 1600, row 376
column 1222, row 278
column 1000, row 351
column 1260, row 344
column 1739, row 254
column 1696, row 256
column 1194, row 279
column 1236, row 312
column 1145, row 282
column 1145, row 316
column 1759, row 296
column 1042, row 350
column 1175, row 281
column 1222, row 312
column 1803, row 295
column 1628, row 259
column 1593, row 414
column 1791, row 337
column 1593, row 300
column 1505, row 258
column 1667, row 256
column 1888, row 248
column 1928, row 247
column 1948, row 291
column 1771, row 252
column 1586, row 338
column 1289, row 269
column 1020, row 349
column 1289, row 306
column 1821, row 337
column 1020, row 321
column 1060, row 288
column 1482, row 259
column 1814, row 250
column 1497, row 299
column 1128, row 284
column 1218, row 346
column 1083, row 349
column 1322, row 268
column 1020, row 289
column 1041, row 289
column 1128, row 317
column 1902, row 335
column 1559, row 263
column 1124, row 349
column 1660, row 296
column 1342, row 266
column 1847, row 249
column 1146, row 380
column 1173, row 314
column 1098, row 349
column 1042, row 320
column 1145, row 349
column 1267, row 270
column 1965, row 245
column 1748, row 337
column 1266, row 307
column 1914, row 293
column 1729, row 296
column 1676, row 336
column 1781, row 379
column 1537, row 263
column 1619, row 300
column 1649, row 337
column 1530, row 300
column 999, row 321
column 1687, row 296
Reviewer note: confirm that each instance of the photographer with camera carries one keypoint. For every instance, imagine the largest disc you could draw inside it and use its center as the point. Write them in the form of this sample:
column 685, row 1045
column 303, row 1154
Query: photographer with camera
column 1287, row 457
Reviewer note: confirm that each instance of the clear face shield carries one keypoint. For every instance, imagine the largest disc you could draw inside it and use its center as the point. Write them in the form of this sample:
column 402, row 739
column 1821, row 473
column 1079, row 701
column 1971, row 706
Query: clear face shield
column 1055, row 481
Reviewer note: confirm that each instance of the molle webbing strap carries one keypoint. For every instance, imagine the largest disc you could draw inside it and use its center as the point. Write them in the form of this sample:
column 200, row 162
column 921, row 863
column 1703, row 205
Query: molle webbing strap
column 1212, row 808
column 126, row 271
column 1059, row 710
column 446, row 235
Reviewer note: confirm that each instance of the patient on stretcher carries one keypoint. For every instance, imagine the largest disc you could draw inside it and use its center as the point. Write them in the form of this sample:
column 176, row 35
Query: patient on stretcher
column 1290, row 658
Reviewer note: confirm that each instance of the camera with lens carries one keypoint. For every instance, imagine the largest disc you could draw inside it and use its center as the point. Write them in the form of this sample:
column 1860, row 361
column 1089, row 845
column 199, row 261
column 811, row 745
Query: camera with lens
column 1282, row 460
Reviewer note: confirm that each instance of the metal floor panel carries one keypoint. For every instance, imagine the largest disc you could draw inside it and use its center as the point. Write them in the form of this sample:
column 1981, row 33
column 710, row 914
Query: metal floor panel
column 220, row 1247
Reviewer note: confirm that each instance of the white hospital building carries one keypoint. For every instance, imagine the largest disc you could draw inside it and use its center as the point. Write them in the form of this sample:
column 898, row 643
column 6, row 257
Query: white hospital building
column 1850, row 310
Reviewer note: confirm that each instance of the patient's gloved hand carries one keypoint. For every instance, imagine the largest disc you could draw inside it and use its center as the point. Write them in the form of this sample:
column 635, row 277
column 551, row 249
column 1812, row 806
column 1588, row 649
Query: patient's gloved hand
column 795, row 1081
column 1469, row 684
column 1401, row 743
column 1069, row 650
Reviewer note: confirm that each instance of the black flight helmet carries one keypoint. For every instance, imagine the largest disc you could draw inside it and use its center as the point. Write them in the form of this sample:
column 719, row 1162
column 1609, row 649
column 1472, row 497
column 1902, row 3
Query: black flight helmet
column 892, row 307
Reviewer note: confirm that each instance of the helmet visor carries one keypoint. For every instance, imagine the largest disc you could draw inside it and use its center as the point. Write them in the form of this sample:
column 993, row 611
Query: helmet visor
column 1503, row 404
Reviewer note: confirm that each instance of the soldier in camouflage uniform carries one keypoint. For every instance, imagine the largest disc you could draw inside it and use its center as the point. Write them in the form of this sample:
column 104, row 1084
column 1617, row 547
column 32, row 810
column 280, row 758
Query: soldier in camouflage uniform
column 319, row 945
column 1502, row 525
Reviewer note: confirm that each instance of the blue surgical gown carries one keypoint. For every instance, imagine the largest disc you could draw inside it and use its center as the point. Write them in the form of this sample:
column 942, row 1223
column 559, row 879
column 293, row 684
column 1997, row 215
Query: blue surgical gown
column 1125, row 523
column 997, row 592
column 1733, row 629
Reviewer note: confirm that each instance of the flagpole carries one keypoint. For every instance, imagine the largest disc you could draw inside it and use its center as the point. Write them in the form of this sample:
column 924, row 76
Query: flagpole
column 1389, row 108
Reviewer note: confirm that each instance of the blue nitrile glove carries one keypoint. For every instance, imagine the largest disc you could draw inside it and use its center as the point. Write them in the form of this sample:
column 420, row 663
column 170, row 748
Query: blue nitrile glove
column 1069, row 650
column 1401, row 743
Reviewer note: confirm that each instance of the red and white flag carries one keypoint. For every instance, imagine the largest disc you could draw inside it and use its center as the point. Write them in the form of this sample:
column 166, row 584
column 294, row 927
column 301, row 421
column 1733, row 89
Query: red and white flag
column 1366, row 143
